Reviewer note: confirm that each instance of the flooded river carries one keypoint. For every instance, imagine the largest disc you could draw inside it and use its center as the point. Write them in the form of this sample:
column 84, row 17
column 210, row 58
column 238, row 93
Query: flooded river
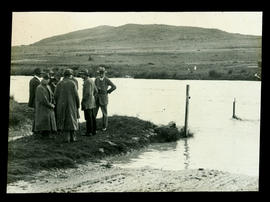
column 219, row 141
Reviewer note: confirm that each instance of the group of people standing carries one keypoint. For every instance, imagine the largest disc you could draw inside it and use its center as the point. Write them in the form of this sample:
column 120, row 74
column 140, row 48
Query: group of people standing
column 56, row 102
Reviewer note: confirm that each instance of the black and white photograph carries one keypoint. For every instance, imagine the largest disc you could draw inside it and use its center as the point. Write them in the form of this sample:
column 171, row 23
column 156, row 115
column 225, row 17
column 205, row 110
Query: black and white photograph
column 134, row 102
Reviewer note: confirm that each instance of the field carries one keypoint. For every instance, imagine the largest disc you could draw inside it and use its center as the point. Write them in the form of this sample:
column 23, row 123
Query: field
column 226, row 64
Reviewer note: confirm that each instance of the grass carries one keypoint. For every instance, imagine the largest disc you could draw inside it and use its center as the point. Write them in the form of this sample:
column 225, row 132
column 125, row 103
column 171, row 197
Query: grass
column 168, row 134
column 31, row 154
column 19, row 113
column 155, row 64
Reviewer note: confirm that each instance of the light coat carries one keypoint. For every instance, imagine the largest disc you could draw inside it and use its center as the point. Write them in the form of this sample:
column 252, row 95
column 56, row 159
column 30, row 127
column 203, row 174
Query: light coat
column 89, row 91
column 67, row 105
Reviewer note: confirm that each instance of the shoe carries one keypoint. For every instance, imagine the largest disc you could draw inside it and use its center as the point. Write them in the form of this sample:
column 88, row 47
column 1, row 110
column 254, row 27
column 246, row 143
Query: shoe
column 104, row 129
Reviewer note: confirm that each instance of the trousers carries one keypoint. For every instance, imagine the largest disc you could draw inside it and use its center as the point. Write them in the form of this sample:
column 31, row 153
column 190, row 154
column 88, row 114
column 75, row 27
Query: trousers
column 104, row 114
column 90, row 118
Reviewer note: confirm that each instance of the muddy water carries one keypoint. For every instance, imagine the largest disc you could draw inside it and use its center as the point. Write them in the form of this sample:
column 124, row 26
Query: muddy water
column 219, row 142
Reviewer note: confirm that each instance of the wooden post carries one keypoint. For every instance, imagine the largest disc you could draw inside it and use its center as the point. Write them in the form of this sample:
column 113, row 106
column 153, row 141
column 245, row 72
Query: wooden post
column 186, row 114
column 234, row 109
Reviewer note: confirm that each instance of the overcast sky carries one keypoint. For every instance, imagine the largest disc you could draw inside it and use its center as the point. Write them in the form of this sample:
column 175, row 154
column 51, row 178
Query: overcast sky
column 30, row 27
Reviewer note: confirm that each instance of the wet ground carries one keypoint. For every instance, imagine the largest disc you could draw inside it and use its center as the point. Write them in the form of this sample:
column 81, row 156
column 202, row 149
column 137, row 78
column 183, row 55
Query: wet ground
column 104, row 177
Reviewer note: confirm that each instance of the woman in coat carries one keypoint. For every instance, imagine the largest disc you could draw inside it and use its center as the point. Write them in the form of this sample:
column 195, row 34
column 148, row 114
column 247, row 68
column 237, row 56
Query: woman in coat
column 44, row 109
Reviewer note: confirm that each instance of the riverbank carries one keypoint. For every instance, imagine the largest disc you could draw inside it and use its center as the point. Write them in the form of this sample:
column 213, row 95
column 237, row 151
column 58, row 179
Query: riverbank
column 104, row 177
column 40, row 164
column 224, row 73
column 29, row 154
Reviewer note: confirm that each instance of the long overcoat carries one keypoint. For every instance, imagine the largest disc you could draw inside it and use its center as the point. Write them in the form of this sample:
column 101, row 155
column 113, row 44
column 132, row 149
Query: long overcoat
column 67, row 105
column 44, row 111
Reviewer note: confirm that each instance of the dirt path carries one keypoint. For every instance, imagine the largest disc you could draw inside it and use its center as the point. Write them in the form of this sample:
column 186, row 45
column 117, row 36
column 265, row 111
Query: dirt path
column 100, row 177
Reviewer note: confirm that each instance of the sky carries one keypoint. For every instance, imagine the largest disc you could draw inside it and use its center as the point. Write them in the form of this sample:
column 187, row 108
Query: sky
column 30, row 27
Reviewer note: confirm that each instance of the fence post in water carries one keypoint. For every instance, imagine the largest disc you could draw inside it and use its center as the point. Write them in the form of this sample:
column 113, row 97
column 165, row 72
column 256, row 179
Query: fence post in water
column 234, row 109
column 186, row 114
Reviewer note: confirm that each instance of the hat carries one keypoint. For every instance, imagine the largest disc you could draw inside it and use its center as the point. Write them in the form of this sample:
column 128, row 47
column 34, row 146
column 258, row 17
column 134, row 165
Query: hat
column 68, row 72
column 101, row 70
column 46, row 76
column 37, row 71
column 42, row 72
column 84, row 72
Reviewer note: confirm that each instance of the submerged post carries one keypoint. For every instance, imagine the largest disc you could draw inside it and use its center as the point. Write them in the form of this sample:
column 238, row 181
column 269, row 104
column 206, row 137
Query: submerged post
column 234, row 109
column 186, row 114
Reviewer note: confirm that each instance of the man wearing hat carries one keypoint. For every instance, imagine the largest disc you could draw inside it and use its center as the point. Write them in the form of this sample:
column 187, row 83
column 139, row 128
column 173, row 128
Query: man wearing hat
column 53, row 80
column 33, row 84
column 67, row 105
column 88, row 103
column 102, row 83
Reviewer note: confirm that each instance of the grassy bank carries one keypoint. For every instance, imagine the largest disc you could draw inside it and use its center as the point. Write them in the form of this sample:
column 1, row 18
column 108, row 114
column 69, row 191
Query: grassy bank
column 20, row 119
column 31, row 154
column 137, row 72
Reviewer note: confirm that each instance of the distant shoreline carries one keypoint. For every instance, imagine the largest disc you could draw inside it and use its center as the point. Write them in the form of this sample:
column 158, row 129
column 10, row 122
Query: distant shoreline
column 195, row 77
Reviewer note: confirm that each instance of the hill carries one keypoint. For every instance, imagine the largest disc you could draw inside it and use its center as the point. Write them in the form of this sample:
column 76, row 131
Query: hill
column 146, row 51
column 149, row 36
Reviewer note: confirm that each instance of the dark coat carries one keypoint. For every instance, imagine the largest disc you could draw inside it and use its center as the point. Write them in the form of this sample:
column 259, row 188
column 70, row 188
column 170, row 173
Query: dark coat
column 44, row 109
column 102, row 86
column 89, row 90
column 67, row 105
column 33, row 84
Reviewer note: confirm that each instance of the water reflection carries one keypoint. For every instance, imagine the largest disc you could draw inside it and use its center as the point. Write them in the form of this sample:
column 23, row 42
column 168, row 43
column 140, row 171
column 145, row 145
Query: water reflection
column 167, row 146
column 155, row 155
column 186, row 153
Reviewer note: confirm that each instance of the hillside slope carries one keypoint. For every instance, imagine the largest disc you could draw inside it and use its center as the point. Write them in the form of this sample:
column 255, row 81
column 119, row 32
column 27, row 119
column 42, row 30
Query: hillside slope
column 133, row 35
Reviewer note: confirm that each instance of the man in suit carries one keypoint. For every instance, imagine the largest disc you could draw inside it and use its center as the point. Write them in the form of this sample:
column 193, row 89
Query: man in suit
column 88, row 103
column 102, row 83
column 33, row 84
